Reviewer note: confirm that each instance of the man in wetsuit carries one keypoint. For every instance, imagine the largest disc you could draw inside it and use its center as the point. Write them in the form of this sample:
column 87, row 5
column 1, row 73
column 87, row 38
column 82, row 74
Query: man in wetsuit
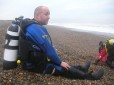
column 44, row 57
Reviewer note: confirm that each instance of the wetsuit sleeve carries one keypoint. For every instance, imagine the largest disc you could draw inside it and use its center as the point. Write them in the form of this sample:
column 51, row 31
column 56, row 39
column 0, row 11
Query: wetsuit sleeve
column 35, row 34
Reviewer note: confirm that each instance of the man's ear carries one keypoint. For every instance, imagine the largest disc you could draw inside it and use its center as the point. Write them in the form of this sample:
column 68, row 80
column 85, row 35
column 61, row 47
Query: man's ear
column 38, row 16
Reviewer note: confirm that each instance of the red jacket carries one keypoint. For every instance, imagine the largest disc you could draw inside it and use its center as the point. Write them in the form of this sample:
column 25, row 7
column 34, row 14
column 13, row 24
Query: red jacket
column 102, row 56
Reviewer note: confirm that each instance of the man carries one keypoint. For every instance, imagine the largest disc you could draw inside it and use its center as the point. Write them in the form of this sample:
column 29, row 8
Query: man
column 44, row 58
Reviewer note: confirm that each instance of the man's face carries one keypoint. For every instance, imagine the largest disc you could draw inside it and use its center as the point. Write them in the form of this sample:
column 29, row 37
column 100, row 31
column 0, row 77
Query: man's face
column 44, row 16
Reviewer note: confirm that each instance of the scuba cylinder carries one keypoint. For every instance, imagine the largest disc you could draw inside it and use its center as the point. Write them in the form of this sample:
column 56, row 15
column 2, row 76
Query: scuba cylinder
column 111, row 42
column 11, row 45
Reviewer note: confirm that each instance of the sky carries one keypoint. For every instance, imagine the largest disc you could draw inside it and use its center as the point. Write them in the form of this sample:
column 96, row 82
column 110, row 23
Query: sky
column 76, row 11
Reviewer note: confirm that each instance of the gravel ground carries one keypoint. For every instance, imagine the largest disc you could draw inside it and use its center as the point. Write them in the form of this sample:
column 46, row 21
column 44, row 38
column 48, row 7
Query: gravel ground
column 73, row 47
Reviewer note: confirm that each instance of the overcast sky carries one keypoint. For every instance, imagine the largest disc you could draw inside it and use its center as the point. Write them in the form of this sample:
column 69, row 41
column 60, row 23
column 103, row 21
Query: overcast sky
column 82, row 11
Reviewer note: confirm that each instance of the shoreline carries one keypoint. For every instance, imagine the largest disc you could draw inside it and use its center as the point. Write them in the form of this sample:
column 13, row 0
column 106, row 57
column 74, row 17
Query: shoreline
column 109, row 35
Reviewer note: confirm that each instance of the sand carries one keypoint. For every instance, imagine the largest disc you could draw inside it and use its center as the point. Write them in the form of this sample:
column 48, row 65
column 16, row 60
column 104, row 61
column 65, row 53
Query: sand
column 73, row 47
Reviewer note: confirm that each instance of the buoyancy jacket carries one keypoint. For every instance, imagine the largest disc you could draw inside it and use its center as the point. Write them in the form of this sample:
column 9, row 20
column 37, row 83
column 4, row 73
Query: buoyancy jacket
column 38, row 37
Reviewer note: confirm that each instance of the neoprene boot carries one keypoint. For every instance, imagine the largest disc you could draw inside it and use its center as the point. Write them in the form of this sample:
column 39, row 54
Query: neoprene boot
column 85, row 66
column 76, row 73
column 95, row 75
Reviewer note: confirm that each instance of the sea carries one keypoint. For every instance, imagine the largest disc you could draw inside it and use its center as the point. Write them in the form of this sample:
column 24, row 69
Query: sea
column 107, row 29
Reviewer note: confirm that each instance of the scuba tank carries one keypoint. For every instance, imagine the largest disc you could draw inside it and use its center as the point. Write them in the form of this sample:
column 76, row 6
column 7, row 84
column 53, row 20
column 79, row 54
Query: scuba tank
column 111, row 42
column 12, row 45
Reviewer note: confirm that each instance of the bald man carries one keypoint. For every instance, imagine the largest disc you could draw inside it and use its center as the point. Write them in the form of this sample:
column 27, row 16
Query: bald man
column 41, row 55
column 42, row 15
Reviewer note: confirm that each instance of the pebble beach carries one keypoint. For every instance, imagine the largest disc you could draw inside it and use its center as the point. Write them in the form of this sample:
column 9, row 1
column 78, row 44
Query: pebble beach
column 74, row 47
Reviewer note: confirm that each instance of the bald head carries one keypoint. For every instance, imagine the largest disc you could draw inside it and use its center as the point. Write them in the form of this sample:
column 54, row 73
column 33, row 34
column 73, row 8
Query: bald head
column 42, row 15
column 38, row 10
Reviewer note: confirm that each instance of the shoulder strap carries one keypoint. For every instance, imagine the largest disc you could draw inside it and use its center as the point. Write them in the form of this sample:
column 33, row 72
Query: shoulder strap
column 24, row 24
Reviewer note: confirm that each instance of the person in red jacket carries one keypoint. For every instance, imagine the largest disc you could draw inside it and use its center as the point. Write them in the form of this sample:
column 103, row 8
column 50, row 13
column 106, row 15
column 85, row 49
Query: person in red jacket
column 102, row 55
column 106, row 52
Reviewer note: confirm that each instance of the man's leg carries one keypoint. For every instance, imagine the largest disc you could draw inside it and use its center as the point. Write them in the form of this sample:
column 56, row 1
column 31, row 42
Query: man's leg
column 84, row 67
column 73, row 72
column 52, row 69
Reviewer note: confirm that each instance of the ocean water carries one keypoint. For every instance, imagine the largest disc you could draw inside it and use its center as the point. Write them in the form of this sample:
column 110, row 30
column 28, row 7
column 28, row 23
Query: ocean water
column 104, row 28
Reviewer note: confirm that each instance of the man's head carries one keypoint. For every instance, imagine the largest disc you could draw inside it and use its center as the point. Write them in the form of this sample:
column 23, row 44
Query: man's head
column 42, row 15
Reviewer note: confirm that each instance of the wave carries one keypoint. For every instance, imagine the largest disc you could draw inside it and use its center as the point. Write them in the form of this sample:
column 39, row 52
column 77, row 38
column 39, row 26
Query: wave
column 87, row 27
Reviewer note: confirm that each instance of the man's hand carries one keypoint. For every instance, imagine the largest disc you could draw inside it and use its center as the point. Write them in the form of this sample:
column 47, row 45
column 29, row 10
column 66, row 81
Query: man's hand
column 65, row 65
